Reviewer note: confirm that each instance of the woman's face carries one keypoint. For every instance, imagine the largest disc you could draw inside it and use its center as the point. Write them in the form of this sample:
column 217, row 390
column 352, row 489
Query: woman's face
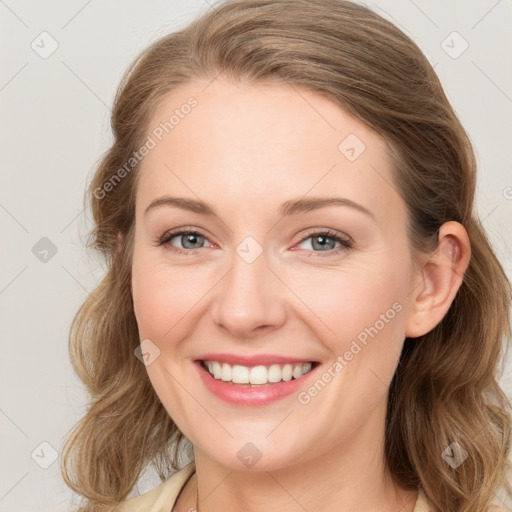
column 274, row 272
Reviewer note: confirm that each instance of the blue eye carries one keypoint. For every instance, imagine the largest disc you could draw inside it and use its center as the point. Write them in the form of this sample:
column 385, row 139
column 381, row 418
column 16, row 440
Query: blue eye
column 190, row 239
column 325, row 242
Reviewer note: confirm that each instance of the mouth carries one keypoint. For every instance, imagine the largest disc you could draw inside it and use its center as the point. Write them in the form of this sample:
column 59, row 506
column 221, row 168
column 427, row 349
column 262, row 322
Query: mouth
column 257, row 376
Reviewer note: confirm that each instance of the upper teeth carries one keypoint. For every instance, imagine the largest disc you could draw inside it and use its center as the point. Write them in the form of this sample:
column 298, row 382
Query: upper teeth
column 257, row 374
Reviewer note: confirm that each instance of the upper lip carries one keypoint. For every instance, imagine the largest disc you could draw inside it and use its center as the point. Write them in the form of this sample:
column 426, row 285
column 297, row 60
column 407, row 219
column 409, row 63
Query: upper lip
column 254, row 360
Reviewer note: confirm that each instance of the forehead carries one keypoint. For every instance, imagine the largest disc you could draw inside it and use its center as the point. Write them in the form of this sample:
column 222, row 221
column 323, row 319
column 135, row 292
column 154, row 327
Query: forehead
column 251, row 145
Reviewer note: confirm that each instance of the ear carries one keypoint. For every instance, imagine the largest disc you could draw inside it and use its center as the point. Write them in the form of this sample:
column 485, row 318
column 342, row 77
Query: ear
column 438, row 279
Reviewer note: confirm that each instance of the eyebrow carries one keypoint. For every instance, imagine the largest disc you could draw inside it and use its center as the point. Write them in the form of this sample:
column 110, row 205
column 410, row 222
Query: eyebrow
column 292, row 207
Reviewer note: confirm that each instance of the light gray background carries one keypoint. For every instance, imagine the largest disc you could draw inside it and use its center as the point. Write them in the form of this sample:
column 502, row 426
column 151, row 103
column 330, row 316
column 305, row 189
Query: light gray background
column 55, row 126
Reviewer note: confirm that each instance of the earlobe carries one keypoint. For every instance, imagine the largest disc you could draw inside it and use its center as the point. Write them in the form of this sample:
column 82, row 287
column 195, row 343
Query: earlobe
column 439, row 280
column 119, row 242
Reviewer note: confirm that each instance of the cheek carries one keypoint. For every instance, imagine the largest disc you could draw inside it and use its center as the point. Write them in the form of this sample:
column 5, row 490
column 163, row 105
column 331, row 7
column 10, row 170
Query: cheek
column 162, row 296
column 346, row 302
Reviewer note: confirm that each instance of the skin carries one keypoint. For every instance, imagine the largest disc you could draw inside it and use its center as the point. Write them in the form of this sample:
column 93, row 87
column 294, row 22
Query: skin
column 245, row 150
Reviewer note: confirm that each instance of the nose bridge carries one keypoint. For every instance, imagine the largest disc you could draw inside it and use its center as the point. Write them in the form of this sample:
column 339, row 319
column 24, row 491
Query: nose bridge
column 249, row 297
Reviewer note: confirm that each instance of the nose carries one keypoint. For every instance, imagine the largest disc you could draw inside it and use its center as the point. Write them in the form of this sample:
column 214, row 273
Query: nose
column 250, row 299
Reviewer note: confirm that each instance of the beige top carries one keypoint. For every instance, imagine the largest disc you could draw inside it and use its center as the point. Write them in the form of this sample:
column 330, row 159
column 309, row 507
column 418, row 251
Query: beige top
column 163, row 497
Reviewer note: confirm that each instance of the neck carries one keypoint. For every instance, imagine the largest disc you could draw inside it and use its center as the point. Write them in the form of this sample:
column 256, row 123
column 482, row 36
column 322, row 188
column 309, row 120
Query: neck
column 350, row 476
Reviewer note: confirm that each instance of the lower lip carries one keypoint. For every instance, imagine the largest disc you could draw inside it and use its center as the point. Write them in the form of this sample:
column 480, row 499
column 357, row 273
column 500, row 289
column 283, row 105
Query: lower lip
column 251, row 396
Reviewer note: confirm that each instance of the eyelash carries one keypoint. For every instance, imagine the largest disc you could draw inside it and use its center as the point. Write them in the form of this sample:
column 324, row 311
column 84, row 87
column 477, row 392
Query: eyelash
column 346, row 244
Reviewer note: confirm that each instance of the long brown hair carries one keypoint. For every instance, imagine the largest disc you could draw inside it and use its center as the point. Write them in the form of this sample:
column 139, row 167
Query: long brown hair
column 445, row 388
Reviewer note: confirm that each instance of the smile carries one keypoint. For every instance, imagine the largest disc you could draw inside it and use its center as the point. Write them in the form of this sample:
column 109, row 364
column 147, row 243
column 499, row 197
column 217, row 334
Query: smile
column 257, row 375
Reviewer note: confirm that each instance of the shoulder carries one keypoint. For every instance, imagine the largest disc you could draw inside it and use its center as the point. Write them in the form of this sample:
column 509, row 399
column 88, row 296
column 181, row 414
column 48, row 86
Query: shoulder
column 422, row 503
column 162, row 497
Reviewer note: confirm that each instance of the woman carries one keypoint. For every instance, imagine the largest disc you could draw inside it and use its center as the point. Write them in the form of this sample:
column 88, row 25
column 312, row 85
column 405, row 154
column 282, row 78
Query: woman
column 297, row 283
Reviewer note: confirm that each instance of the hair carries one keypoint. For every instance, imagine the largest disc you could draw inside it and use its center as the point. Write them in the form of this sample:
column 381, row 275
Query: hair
column 445, row 387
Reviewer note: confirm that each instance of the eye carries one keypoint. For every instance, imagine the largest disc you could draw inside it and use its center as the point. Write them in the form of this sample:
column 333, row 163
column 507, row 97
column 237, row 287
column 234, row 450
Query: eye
column 325, row 241
column 188, row 238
